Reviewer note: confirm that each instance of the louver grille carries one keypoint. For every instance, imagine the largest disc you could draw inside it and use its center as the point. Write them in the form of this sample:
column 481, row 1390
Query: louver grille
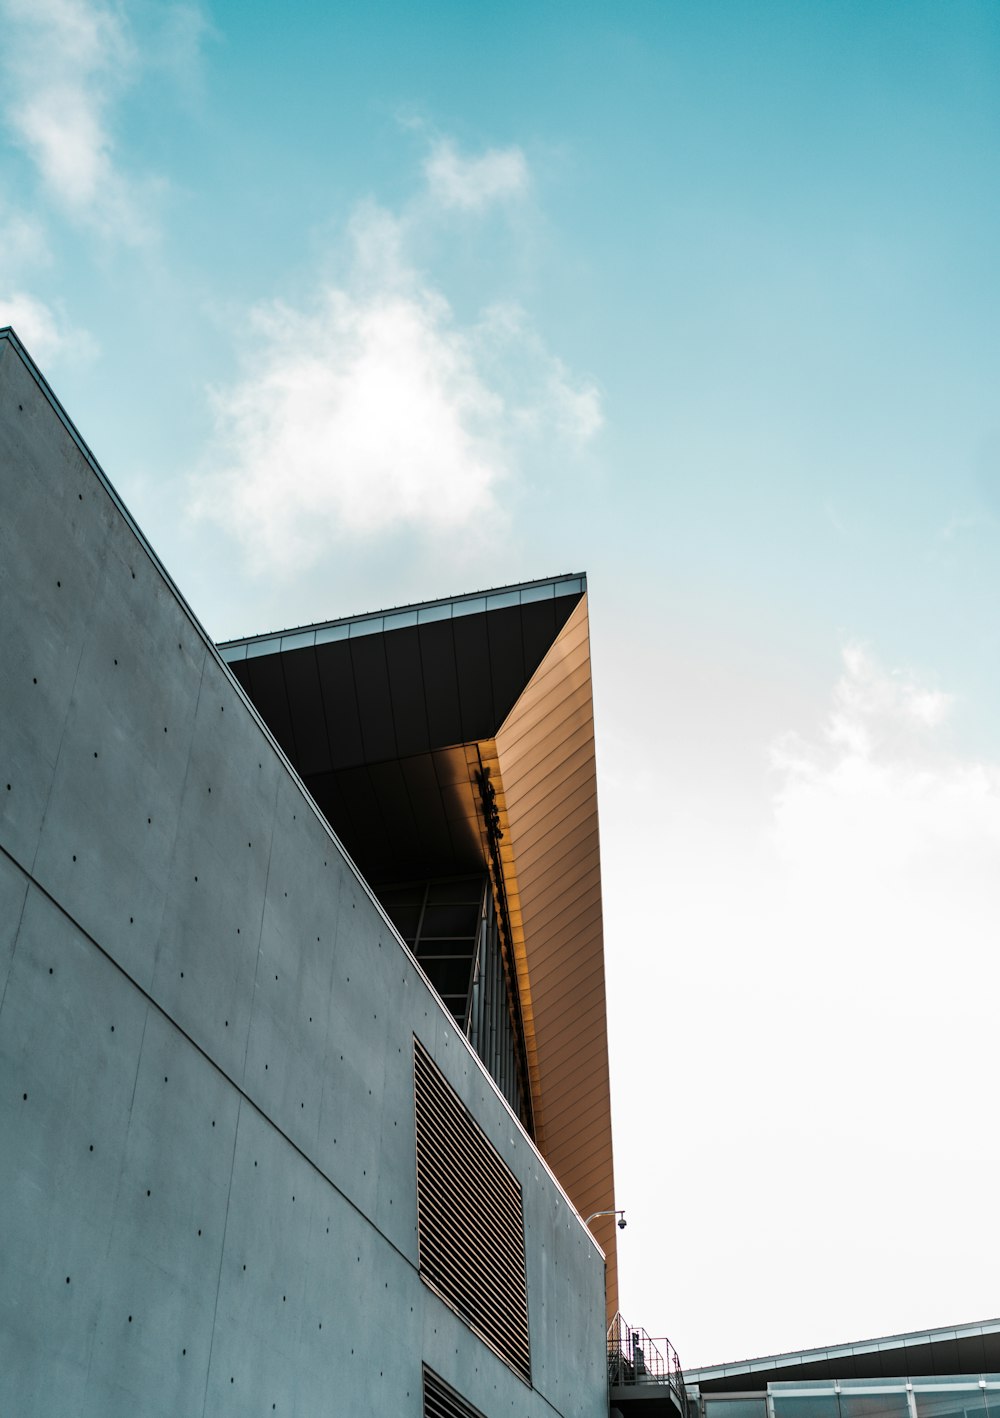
column 470, row 1219
column 441, row 1401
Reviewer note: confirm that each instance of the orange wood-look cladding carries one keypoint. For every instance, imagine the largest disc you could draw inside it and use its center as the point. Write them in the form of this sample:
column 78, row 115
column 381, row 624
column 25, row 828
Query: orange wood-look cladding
column 547, row 791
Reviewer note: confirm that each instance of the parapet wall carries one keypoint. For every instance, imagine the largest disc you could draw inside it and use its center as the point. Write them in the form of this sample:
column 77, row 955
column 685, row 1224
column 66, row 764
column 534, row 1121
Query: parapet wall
column 207, row 1166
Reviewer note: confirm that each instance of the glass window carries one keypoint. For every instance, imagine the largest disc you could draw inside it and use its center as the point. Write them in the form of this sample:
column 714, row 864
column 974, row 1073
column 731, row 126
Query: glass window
column 963, row 1403
column 794, row 1405
column 873, row 1405
column 738, row 1406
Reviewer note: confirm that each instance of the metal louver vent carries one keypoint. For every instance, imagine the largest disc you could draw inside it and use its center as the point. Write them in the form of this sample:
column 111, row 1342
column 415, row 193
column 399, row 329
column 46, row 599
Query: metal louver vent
column 470, row 1219
column 441, row 1400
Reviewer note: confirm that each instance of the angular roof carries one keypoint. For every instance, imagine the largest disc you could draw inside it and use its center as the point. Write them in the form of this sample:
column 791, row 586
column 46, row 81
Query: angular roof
column 391, row 720
column 960, row 1349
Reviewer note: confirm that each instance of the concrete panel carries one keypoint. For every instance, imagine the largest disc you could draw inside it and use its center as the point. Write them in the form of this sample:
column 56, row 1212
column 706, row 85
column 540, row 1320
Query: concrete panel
column 115, row 800
column 53, row 538
column 206, row 954
column 156, row 1318
column 13, row 890
column 71, row 1030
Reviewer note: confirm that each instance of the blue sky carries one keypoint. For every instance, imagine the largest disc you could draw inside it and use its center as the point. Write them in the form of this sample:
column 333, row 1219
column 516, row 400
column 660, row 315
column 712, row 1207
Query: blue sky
column 365, row 304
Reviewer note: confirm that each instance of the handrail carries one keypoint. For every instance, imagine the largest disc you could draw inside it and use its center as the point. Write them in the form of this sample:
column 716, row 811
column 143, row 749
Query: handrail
column 635, row 1358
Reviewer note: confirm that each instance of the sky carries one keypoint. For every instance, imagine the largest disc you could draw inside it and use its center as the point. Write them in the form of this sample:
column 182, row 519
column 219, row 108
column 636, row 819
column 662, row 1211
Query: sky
column 366, row 304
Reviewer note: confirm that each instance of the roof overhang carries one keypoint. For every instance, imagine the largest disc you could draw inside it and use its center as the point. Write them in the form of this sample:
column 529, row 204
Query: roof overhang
column 390, row 720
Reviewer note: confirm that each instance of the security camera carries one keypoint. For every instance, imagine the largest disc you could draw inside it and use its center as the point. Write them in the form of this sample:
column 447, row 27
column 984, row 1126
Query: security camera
column 621, row 1223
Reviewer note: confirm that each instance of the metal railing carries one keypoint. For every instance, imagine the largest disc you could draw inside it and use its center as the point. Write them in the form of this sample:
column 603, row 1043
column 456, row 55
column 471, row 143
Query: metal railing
column 635, row 1358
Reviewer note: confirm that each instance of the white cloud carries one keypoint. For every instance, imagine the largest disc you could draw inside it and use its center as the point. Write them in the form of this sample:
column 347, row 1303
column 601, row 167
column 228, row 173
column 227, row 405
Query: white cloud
column 44, row 331
column 65, row 63
column 371, row 409
column 887, row 836
column 473, row 183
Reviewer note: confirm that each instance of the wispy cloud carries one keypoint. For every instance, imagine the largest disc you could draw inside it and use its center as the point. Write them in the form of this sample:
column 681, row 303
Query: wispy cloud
column 47, row 334
column 370, row 408
column 65, row 65
column 875, row 806
column 472, row 183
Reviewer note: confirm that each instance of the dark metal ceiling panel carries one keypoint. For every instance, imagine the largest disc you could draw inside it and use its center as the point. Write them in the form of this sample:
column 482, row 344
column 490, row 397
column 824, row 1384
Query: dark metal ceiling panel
column 437, row 652
column 506, row 660
column 475, row 685
column 368, row 829
column 267, row 690
column 308, row 714
column 371, row 682
column 336, row 677
column 425, row 794
column 326, row 790
column 406, row 685
column 538, row 630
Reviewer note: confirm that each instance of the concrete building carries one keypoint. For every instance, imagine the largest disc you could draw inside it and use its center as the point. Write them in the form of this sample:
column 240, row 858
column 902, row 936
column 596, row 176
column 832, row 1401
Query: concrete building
column 252, row 1159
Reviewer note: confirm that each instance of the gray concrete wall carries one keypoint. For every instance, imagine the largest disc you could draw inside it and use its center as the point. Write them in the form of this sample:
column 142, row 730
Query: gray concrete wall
column 207, row 1165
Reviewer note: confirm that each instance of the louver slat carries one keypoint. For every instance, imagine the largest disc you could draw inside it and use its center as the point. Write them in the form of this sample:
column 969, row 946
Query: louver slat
column 441, row 1400
column 470, row 1220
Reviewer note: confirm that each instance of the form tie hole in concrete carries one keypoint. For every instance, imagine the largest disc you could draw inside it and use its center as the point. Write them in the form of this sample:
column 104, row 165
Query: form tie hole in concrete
column 34, row 679
column 244, row 1267
column 67, row 1282
column 196, row 878
column 91, row 1147
column 24, row 1097
column 183, row 1351
column 199, row 1230
column 74, row 856
column 265, row 1070
column 133, row 573
column 226, row 1022
column 59, row 584
column 130, row 1319
column 112, row 1028
column 79, row 497
column 149, row 822
column 131, row 920
column 50, row 969
column 213, row 1122
column 116, row 662
column 182, row 974
column 95, row 754
column 149, row 1193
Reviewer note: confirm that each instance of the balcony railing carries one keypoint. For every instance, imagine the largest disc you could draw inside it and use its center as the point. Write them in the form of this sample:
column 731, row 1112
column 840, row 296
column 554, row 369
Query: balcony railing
column 635, row 1358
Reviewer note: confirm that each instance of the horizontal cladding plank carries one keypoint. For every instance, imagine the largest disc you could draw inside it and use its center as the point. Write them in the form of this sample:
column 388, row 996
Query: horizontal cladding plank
column 583, row 1120
column 578, row 804
column 578, row 853
column 579, row 932
column 560, row 993
column 542, row 919
column 574, row 953
column 587, row 1169
column 528, row 737
column 527, row 784
column 588, row 1028
column 557, row 716
column 561, row 1005
column 564, row 1090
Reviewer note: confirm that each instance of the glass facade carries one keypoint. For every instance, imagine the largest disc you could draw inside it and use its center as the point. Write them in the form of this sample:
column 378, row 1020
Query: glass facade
column 963, row 1396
